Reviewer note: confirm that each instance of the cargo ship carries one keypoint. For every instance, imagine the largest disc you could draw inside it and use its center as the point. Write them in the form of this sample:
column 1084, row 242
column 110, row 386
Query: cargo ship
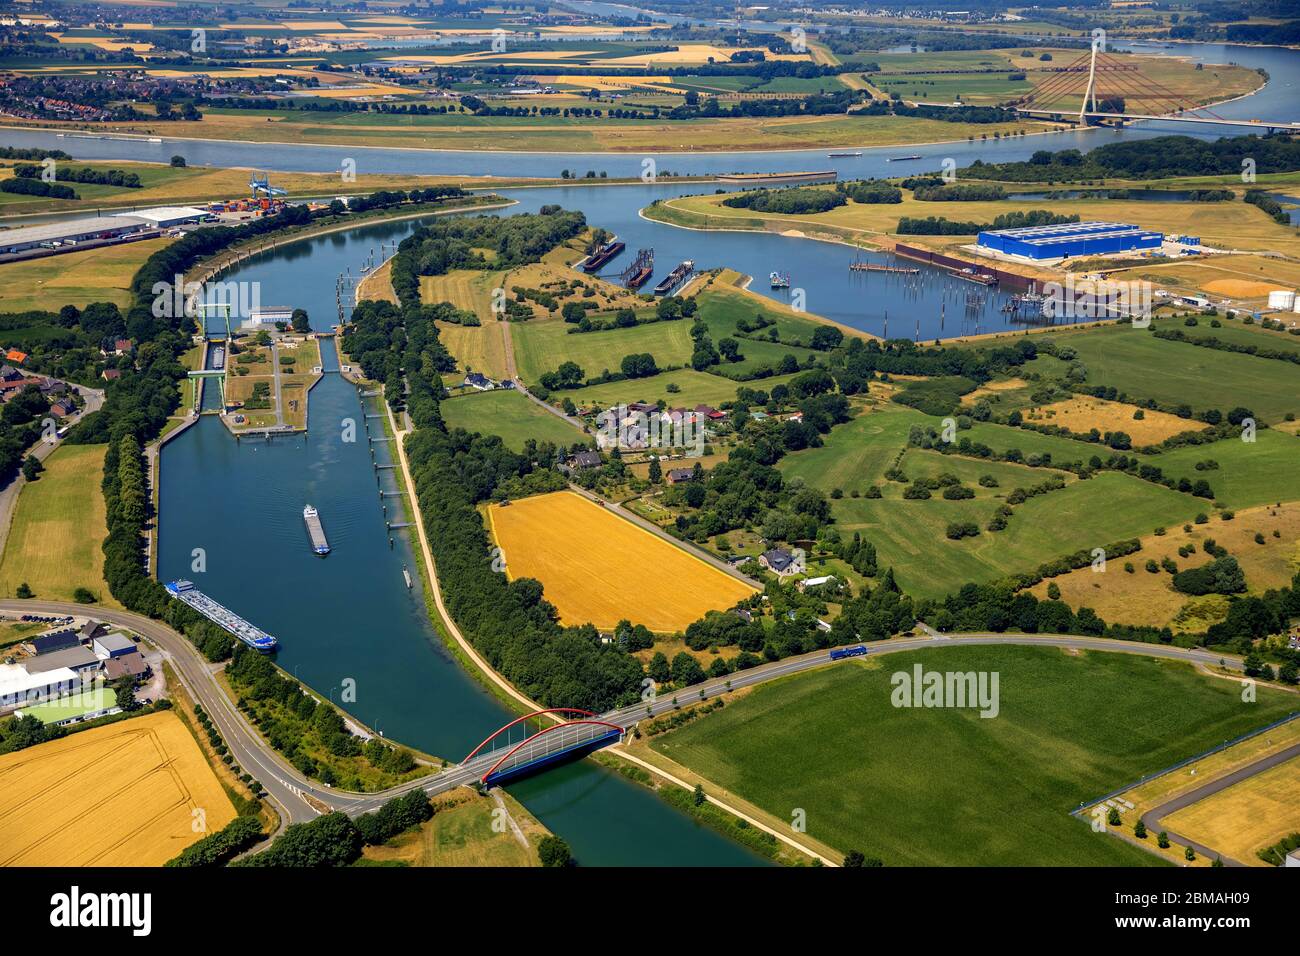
column 636, row 275
column 218, row 357
column 843, row 155
column 675, row 278
column 602, row 255
column 773, row 179
column 903, row 159
column 311, row 518
column 253, row 636
column 779, row 280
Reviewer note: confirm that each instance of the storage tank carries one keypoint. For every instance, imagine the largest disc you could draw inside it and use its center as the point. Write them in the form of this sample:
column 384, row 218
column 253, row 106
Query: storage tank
column 1281, row 299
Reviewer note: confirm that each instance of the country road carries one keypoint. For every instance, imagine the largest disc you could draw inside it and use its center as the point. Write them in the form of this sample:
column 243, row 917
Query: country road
column 296, row 794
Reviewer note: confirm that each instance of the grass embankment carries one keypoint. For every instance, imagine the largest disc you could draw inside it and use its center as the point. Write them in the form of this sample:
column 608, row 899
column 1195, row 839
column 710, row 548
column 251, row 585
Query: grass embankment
column 58, row 526
column 943, row 786
column 576, row 134
column 466, row 830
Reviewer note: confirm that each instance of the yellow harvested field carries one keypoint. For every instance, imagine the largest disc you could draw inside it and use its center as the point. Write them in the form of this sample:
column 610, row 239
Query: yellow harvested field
column 1084, row 414
column 1247, row 816
column 1239, row 288
column 1143, row 598
column 689, row 53
column 599, row 568
column 123, row 795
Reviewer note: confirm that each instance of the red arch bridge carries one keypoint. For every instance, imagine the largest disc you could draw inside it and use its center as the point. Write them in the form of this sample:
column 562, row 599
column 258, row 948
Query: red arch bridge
column 501, row 759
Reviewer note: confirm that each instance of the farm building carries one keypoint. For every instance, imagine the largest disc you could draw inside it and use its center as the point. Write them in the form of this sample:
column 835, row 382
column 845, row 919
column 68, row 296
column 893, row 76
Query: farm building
column 1070, row 239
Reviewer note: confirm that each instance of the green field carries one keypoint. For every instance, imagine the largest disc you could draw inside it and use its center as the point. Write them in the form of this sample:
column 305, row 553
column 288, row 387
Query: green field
column 693, row 388
column 1174, row 373
column 1264, row 471
column 58, row 528
column 857, row 453
column 542, row 344
column 910, row 536
column 944, row 787
column 509, row 414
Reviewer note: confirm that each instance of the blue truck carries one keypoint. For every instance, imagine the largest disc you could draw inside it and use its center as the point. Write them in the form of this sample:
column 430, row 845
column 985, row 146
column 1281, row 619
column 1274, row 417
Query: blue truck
column 857, row 650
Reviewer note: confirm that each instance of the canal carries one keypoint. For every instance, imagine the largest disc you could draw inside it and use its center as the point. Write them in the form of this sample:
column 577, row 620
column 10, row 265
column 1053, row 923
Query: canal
column 351, row 615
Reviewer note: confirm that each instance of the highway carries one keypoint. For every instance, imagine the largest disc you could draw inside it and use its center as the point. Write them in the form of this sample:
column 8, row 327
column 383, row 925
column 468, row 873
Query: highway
column 300, row 799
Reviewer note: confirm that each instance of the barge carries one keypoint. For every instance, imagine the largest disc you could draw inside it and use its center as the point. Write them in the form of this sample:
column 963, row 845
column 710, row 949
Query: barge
column 602, row 255
column 311, row 518
column 675, row 278
column 636, row 275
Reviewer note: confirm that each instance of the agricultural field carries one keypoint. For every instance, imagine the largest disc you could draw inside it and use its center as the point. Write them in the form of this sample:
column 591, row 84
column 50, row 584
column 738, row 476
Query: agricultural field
column 1247, row 473
column 75, row 278
column 910, row 536
column 1143, row 597
column 1143, row 366
column 511, row 415
column 941, row 786
column 1246, row 817
column 58, row 528
column 163, row 185
column 682, row 387
column 126, row 794
column 599, row 568
column 1084, row 413
column 542, row 345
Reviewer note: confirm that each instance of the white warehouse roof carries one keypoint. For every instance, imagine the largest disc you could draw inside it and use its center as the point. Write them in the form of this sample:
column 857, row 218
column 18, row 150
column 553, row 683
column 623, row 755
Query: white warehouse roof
column 167, row 215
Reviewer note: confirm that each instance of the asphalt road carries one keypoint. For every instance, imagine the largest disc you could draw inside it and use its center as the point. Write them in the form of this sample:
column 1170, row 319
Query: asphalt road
column 1153, row 816
column 301, row 799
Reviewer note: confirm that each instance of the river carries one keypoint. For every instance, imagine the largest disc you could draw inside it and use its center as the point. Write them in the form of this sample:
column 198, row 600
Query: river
column 350, row 615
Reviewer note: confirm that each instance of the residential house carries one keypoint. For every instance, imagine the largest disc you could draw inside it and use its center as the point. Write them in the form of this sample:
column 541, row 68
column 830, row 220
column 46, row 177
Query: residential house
column 783, row 563
column 10, row 374
column 678, row 475
column 63, row 407
column 128, row 665
column 93, row 629
column 110, row 374
column 15, row 356
column 122, row 346
column 478, row 380
column 585, row 459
